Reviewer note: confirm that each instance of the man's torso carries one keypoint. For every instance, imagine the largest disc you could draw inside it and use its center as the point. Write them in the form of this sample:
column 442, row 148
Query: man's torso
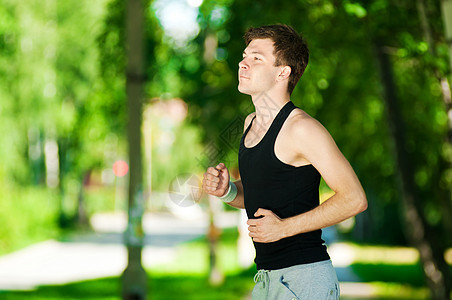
column 285, row 189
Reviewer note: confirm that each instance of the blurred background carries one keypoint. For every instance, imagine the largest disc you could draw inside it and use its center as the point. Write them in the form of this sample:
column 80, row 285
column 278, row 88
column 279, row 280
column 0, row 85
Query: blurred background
column 74, row 214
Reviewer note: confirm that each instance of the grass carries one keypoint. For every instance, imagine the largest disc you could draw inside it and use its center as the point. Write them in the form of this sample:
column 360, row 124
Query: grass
column 159, row 288
column 403, row 274
column 193, row 257
column 106, row 288
column 396, row 291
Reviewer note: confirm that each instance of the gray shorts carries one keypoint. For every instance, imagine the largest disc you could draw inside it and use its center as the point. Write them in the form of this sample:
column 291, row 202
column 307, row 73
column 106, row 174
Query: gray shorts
column 315, row 281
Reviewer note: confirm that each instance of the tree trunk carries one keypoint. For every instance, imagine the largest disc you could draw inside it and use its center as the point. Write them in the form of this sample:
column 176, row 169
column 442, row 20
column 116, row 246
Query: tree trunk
column 446, row 188
column 418, row 232
column 216, row 277
column 134, row 279
column 81, row 216
column 446, row 8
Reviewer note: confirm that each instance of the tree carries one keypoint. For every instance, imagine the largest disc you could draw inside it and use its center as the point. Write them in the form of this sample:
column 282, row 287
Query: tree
column 134, row 277
column 420, row 234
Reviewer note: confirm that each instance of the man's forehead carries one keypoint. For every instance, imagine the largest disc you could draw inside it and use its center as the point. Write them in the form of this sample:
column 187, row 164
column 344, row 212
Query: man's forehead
column 263, row 46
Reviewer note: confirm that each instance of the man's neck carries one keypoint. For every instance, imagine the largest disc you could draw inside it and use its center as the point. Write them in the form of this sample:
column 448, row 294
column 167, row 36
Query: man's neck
column 267, row 106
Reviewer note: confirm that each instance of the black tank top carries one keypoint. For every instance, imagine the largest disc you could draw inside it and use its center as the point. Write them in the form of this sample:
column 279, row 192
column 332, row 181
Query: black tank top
column 284, row 189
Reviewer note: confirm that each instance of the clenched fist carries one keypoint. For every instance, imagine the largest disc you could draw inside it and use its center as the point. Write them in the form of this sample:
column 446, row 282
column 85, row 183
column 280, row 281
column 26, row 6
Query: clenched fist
column 216, row 180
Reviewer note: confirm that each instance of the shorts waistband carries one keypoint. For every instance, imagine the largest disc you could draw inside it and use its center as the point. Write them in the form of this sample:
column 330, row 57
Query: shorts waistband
column 264, row 274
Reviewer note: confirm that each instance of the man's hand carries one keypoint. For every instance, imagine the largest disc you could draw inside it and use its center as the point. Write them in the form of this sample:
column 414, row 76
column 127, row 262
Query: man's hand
column 266, row 229
column 216, row 180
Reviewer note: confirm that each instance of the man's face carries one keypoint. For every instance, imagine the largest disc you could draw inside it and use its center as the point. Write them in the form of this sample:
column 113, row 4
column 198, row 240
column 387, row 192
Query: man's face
column 257, row 71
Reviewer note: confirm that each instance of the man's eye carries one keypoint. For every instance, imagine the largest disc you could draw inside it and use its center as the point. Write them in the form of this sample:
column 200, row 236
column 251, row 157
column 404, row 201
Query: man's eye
column 257, row 58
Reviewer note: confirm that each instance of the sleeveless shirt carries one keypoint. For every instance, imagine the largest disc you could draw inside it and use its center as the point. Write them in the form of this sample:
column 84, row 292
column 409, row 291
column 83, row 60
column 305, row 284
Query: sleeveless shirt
column 284, row 189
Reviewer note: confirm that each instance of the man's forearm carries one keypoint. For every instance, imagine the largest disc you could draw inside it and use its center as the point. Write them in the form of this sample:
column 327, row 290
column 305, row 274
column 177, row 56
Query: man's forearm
column 334, row 210
column 238, row 201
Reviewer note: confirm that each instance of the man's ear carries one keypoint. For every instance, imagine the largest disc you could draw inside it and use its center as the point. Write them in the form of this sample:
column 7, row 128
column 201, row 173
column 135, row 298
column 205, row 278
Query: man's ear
column 285, row 73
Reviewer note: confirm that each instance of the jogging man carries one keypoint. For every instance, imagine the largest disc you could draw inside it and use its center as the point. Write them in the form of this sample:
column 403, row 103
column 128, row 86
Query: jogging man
column 283, row 154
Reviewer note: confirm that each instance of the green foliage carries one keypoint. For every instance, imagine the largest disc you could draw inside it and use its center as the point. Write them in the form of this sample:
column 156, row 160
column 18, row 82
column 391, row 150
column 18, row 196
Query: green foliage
column 172, row 159
column 27, row 216
column 101, row 199
column 50, row 79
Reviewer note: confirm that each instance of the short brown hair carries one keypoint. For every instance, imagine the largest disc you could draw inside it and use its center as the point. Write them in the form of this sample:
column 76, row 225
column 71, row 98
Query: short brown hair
column 290, row 48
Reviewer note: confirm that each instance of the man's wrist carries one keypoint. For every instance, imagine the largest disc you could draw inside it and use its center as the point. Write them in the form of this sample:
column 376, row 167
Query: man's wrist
column 287, row 227
column 230, row 194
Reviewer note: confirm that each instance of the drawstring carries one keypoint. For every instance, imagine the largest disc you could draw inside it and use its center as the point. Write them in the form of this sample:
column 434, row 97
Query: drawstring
column 260, row 276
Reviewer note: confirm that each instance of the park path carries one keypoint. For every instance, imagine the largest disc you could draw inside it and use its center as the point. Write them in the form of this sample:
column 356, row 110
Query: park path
column 101, row 253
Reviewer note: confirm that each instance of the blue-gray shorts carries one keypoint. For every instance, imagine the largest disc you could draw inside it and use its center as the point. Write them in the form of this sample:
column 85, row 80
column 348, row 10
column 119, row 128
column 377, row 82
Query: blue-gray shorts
column 315, row 281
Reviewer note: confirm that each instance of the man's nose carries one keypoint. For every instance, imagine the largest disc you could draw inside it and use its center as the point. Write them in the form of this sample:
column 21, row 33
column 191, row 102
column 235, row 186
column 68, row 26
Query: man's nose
column 243, row 64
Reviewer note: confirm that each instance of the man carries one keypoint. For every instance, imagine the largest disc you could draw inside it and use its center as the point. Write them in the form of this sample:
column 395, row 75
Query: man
column 283, row 153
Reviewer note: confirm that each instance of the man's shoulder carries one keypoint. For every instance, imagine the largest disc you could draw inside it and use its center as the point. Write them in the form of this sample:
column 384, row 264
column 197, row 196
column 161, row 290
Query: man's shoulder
column 301, row 125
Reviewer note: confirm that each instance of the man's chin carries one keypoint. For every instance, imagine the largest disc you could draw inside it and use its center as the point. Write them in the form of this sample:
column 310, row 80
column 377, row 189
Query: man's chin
column 244, row 91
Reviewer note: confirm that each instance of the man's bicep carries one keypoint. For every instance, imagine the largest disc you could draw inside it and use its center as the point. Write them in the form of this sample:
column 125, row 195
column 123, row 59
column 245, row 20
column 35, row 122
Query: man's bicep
column 322, row 152
column 337, row 171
